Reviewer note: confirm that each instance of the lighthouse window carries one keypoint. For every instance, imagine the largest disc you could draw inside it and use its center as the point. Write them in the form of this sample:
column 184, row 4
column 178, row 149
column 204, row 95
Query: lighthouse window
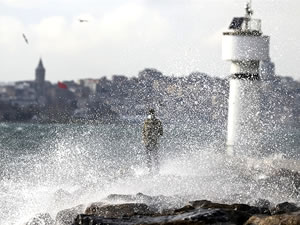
column 236, row 23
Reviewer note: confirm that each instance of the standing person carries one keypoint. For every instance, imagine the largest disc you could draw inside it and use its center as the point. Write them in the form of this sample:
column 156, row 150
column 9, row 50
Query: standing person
column 152, row 130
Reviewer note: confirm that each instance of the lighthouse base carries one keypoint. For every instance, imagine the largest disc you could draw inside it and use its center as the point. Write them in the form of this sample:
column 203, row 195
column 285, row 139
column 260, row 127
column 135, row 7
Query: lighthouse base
column 243, row 128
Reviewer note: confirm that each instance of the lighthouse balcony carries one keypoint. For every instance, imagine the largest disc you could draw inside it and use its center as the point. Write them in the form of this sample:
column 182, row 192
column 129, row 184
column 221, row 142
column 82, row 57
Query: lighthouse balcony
column 241, row 48
column 245, row 76
column 244, row 26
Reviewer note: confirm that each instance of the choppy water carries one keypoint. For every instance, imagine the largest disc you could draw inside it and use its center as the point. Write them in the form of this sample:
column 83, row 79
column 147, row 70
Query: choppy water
column 47, row 168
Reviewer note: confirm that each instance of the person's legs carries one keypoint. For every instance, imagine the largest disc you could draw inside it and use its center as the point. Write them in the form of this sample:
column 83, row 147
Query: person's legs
column 152, row 158
column 148, row 158
column 155, row 158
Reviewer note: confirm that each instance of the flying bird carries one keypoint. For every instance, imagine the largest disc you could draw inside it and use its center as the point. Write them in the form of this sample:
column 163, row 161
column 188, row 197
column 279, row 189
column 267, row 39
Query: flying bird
column 82, row 21
column 25, row 39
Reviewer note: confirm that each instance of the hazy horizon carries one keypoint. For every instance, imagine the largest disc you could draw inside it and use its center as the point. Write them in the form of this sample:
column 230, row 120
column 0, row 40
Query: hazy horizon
column 124, row 37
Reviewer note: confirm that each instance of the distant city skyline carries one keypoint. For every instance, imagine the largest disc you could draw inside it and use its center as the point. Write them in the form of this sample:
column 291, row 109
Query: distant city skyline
column 125, row 36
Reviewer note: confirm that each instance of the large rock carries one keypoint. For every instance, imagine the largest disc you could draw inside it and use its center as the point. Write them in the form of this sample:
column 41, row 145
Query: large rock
column 67, row 216
column 236, row 213
column 120, row 210
column 281, row 219
column 239, row 207
column 285, row 207
column 93, row 208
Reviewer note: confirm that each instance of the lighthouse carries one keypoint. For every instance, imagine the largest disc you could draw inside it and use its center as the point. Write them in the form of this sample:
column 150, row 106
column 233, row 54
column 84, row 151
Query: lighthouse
column 247, row 49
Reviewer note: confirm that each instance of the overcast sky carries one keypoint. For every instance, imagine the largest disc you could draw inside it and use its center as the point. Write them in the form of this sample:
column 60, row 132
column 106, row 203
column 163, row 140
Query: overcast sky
column 176, row 37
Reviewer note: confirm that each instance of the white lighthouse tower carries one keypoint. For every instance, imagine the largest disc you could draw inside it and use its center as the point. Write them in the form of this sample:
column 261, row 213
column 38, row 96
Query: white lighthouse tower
column 247, row 49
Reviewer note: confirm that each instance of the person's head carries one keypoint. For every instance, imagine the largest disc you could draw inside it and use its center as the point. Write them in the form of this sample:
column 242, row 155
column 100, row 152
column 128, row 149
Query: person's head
column 151, row 114
column 151, row 111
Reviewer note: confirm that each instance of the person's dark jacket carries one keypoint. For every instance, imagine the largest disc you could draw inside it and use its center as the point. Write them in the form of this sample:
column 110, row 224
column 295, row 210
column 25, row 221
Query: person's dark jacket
column 152, row 130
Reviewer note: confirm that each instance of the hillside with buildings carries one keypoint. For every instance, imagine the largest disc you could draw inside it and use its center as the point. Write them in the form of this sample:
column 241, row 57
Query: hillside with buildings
column 195, row 97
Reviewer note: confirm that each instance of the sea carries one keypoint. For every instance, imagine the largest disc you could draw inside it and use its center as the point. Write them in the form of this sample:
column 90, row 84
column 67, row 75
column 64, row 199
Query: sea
column 45, row 168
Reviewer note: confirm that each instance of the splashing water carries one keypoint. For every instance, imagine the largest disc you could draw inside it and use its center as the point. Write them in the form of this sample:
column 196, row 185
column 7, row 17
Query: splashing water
column 47, row 168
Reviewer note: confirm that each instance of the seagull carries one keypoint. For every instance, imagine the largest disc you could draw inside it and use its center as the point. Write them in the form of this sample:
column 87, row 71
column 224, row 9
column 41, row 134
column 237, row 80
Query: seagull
column 25, row 39
column 82, row 21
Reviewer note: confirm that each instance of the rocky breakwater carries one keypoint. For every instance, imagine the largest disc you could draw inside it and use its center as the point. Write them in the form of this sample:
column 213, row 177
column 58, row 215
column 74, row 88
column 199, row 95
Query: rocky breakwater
column 154, row 210
column 195, row 212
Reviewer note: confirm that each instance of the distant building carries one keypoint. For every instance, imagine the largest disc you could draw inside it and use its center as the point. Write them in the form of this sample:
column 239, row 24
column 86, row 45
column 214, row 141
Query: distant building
column 25, row 94
column 90, row 83
column 7, row 93
column 40, row 79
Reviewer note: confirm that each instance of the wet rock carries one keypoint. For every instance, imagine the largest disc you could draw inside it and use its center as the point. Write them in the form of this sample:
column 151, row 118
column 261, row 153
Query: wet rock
column 208, row 204
column 282, row 219
column 197, row 216
column 93, row 208
column 186, row 208
column 196, row 212
column 207, row 216
column 256, row 220
column 199, row 203
column 122, row 210
column 237, row 213
column 41, row 219
column 284, row 207
column 139, row 213
column 239, row 207
column 67, row 216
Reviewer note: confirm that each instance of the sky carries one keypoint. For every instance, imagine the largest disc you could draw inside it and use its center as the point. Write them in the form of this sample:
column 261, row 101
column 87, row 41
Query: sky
column 123, row 37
